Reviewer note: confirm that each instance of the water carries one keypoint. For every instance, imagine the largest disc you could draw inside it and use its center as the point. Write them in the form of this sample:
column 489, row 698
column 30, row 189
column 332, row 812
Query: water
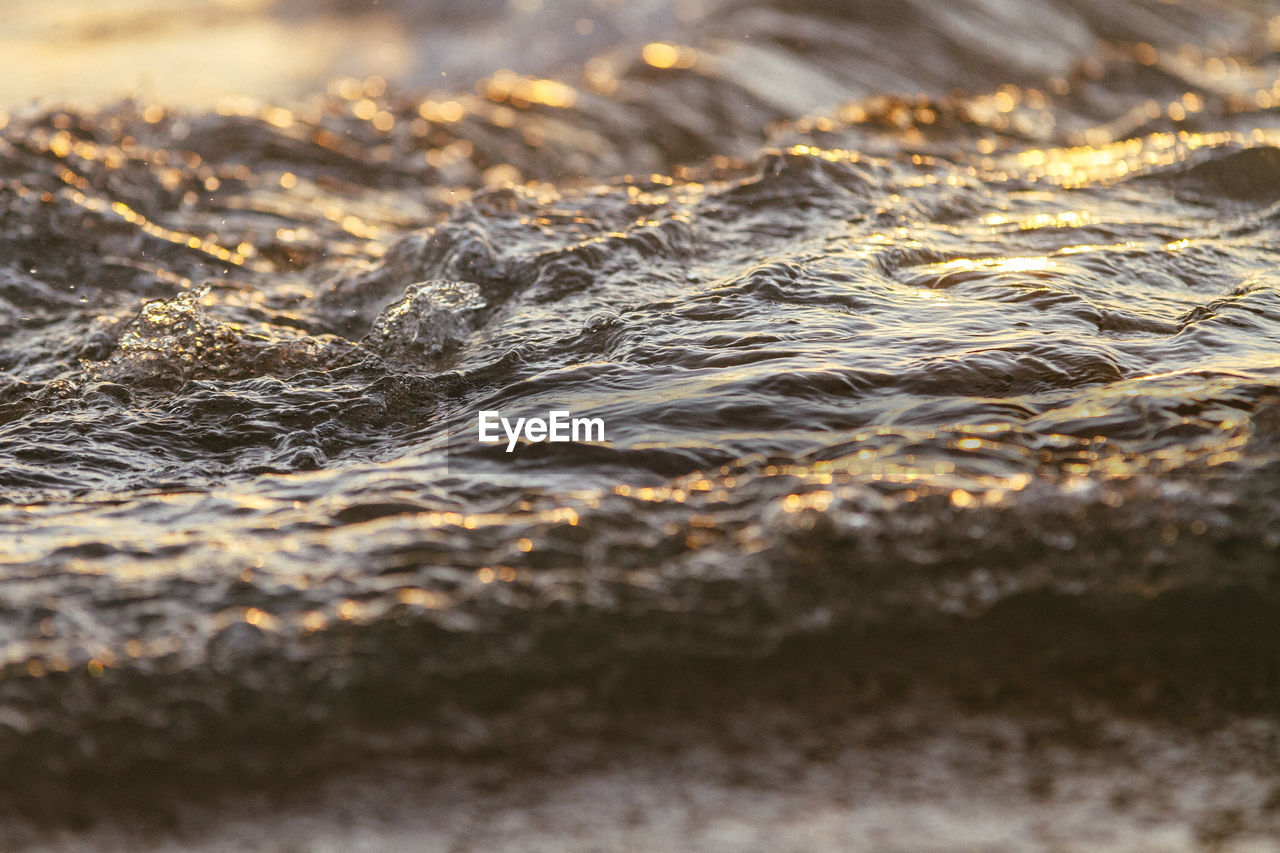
column 894, row 314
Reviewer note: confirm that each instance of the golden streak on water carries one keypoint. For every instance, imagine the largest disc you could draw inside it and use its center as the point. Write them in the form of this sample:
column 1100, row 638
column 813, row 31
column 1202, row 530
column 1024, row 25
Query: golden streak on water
column 521, row 91
column 661, row 54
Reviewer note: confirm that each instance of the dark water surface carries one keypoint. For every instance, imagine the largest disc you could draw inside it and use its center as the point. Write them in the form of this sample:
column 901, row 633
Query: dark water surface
column 895, row 313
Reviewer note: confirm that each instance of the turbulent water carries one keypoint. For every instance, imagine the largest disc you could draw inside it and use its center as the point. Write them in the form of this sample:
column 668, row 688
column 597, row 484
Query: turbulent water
column 893, row 313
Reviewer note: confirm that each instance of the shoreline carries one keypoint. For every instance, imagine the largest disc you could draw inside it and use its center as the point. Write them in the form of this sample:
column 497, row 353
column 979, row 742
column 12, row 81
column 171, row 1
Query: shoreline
column 1007, row 732
column 925, row 775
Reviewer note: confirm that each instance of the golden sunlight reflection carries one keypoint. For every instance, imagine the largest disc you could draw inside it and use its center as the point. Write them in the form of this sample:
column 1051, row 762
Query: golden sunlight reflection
column 521, row 91
column 661, row 54
column 1105, row 160
column 995, row 265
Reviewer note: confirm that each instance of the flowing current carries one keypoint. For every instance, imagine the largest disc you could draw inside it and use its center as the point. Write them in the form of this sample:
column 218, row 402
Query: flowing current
column 896, row 314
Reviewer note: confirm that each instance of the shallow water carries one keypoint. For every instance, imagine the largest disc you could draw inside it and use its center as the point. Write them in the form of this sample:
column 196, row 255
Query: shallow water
column 892, row 314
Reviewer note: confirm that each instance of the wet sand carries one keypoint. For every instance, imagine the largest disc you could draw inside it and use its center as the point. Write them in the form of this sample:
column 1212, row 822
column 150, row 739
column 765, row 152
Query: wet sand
column 980, row 738
column 922, row 776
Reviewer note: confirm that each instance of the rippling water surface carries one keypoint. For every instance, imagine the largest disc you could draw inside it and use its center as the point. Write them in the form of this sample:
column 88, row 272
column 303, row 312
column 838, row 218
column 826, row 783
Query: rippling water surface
column 893, row 312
